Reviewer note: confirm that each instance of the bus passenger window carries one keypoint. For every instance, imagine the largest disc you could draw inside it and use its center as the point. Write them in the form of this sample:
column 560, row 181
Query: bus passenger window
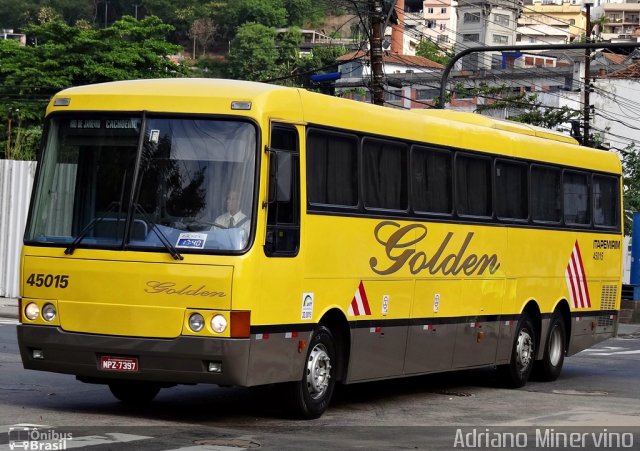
column 576, row 198
column 512, row 190
column 332, row 168
column 431, row 176
column 545, row 194
column 605, row 201
column 385, row 175
column 473, row 186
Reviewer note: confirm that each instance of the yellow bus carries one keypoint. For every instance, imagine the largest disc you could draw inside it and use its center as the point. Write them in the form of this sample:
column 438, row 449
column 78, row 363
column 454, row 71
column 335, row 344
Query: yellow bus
column 187, row 231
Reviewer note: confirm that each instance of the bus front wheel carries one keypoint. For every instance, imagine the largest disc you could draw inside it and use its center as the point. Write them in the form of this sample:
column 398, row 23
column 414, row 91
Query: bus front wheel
column 311, row 395
column 133, row 392
column 548, row 369
column 516, row 373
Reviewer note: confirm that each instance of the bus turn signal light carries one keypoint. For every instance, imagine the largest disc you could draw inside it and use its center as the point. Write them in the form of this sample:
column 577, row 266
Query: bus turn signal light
column 240, row 324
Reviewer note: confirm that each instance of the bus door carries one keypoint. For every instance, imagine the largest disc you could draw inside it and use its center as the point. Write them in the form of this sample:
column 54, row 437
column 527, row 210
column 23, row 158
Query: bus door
column 280, row 285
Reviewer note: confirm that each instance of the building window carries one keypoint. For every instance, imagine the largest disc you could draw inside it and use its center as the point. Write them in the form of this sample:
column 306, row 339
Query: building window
column 499, row 39
column 501, row 19
column 430, row 10
column 443, row 10
column 443, row 38
column 572, row 21
column 427, row 94
column 392, row 95
column 474, row 37
column 471, row 18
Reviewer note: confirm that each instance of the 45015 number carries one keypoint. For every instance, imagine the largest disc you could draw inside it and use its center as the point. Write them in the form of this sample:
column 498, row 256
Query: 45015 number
column 48, row 280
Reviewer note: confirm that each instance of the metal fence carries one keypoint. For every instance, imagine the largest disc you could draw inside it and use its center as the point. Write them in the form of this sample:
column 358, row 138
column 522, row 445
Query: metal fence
column 16, row 180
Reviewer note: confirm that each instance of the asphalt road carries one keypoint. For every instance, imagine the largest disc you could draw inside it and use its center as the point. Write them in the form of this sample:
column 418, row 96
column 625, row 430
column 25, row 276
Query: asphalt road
column 597, row 394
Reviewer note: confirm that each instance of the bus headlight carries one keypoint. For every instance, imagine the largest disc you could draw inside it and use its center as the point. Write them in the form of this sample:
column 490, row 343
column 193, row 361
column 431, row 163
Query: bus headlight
column 49, row 312
column 196, row 322
column 31, row 311
column 219, row 324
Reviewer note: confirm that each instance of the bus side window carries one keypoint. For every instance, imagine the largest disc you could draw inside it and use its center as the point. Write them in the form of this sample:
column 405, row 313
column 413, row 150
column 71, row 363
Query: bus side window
column 283, row 212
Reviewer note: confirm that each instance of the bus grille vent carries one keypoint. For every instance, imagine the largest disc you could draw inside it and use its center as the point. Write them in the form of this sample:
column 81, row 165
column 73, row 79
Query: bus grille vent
column 604, row 321
column 608, row 300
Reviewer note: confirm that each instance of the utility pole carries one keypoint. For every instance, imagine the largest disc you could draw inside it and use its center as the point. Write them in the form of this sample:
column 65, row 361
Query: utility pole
column 586, row 138
column 375, row 52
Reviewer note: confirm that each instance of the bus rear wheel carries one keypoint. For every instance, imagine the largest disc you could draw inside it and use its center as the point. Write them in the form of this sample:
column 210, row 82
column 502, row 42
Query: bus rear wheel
column 516, row 373
column 134, row 392
column 311, row 395
column 548, row 369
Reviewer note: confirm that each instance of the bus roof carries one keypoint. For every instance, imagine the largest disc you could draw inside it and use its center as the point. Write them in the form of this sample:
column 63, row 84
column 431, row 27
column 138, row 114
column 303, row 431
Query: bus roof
column 439, row 127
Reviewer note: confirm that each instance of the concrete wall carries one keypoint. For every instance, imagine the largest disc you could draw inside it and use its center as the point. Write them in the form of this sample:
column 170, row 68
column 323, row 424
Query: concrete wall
column 16, row 180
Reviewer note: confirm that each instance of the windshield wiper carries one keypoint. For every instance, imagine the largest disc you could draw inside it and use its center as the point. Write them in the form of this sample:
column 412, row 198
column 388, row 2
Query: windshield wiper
column 161, row 236
column 84, row 232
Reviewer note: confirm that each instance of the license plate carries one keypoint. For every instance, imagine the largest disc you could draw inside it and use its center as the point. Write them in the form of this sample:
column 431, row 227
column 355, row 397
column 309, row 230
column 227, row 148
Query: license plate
column 125, row 364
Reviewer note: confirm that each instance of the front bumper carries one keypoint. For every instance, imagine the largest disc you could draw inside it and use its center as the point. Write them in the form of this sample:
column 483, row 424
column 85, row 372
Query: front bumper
column 180, row 360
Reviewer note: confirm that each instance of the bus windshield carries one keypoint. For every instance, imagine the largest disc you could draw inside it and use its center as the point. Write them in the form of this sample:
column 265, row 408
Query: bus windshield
column 134, row 182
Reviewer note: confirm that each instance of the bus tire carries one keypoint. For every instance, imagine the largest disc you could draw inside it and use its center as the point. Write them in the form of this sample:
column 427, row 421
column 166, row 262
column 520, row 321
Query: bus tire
column 134, row 392
column 548, row 369
column 516, row 373
column 311, row 395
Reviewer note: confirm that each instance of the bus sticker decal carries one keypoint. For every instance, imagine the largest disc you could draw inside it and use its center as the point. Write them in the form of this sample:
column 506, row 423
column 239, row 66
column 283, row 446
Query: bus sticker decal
column 360, row 304
column 577, row 280
column 385, row 305
column 291, row 335
column 192, row 240
column 307, row 306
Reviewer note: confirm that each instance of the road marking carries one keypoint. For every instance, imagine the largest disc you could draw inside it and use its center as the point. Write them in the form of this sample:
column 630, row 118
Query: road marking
column 209, row 448
column 615, row 353
column 605, row 348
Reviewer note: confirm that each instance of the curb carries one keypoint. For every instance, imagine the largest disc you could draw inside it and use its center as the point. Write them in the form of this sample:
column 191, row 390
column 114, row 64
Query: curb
column 9, row 308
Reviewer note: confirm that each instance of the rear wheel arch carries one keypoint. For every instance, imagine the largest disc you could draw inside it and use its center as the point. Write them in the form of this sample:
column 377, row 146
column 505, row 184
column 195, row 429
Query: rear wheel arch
column 533, row 310
column 563, row 309
column 337, row 323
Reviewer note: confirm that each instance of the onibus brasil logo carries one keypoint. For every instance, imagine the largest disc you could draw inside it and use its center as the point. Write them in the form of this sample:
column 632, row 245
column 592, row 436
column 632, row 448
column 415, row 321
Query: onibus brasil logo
column 37, row 438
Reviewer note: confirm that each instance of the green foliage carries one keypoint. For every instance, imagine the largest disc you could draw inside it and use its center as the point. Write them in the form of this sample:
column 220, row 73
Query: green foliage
column 69, row 56
column 268, row 13
column 528, row 107
column 430, row 50
column 631, row 172
column 253, row 54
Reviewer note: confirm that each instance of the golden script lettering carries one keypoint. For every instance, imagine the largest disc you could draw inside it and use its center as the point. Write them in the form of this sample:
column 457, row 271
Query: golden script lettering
column 398, row 249
column 155, row 287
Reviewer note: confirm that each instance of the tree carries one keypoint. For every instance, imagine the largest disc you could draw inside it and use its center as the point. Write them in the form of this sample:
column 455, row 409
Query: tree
column 269, row 13
column 429, row 50
column 202, row 31
column 71, row 55
column 631, row 172
column 526, row 108
column 301, row 12
column 253, row 54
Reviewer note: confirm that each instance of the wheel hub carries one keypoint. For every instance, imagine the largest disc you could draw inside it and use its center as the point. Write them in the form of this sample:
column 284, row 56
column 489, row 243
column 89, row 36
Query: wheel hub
column 318, row 371
column 524, row 350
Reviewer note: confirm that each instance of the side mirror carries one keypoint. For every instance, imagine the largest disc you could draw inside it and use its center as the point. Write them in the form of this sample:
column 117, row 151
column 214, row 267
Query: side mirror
column 280, row 170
